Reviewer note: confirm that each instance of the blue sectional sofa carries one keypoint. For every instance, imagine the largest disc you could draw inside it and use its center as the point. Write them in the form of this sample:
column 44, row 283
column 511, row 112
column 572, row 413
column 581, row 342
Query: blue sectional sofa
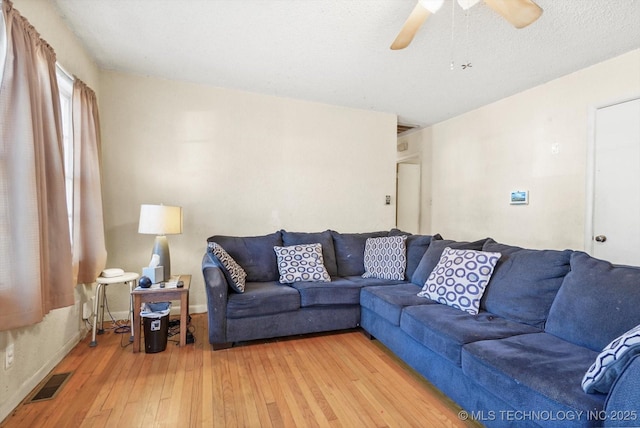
column 543, row 321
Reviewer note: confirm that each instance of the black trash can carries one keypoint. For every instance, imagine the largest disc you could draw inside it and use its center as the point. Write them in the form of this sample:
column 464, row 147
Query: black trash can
column 155, row 318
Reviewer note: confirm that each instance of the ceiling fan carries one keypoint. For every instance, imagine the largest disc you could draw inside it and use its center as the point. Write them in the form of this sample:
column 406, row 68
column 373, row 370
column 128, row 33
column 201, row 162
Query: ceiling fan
column 519, row 13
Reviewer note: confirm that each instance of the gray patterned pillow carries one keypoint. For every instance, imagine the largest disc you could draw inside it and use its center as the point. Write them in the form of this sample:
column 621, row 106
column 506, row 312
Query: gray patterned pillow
column 460, row 278
column 385, row 257
column 611, row 361
column 301, row 263
column 234, row 273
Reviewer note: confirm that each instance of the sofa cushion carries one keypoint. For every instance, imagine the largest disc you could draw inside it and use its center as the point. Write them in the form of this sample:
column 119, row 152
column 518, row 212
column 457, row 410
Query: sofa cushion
column 262, row 298
column 350, row 251
column 431, row 257
column 388, row 301
column 416, row 247
column 445, row 330
column 254, row 253
column 365, row 282
column 233, row 272
column 324, row 238
column 596, row 303
column 611, row 362
column 533, row 372
column 301, row 263
column 339, row 291
column 385, row 257
column 524, row 282
column 460, row 278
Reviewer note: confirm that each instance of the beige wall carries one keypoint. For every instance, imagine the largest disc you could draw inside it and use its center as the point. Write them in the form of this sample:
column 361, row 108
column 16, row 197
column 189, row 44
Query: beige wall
column 40, row 347
column 479, row 157
column 239, row 164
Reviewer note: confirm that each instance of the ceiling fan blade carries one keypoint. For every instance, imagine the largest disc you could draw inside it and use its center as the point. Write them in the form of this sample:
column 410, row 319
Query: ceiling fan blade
column 519, row 13
column 410, row 27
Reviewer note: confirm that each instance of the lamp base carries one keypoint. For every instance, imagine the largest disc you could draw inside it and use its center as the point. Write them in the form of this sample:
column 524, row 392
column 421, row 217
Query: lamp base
column 161, row 248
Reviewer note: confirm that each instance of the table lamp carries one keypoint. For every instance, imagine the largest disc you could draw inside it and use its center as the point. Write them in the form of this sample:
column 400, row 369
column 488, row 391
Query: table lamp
column 161, row 220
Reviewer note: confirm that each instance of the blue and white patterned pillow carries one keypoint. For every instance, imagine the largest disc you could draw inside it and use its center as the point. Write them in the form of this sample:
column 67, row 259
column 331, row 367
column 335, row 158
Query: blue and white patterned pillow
column 611, row 361
column 236, row 276
column 385, row 257
column 301, row 263
column 460, row 278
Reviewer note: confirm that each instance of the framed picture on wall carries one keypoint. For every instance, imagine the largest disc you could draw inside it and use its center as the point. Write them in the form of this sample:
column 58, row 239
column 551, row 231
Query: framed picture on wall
column 520, row 197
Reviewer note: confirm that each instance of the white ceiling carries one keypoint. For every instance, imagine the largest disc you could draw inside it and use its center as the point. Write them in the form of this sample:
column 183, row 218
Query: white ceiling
column 337, row 51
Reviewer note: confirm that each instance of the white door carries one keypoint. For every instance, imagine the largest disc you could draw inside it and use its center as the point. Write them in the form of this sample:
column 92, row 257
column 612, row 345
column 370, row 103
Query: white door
column 408, row 198
column 616, row 207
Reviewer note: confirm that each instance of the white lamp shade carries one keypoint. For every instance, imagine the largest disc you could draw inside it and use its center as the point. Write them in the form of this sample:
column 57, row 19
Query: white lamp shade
column 466, row 4
column 160, row 220
column 432, row 5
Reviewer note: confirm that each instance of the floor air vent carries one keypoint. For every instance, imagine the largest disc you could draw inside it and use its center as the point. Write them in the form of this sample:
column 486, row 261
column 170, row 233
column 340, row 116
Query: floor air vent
column 50, row 387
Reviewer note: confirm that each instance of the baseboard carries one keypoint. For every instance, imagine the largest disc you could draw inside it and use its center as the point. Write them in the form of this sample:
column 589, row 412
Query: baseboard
column 25, row 389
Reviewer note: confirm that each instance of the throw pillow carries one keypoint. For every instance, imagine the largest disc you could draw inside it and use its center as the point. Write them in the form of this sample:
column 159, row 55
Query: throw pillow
column 385, row 258
column 301, row 263
column 233, row 272
column 323, row 238
column 434, row 252
column 611, row 361
column 460, row 278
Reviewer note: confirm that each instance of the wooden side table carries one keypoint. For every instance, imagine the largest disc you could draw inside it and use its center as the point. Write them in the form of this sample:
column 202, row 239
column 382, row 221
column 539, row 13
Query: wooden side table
column 146, row 295
column 128, row 278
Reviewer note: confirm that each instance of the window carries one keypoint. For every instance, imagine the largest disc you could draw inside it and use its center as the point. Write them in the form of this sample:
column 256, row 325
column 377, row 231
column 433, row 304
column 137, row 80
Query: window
column 65, row 86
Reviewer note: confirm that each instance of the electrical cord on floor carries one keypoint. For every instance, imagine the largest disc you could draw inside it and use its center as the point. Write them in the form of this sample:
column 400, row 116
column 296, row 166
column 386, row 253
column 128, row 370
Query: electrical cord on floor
column 174, row 329
column 119, row 326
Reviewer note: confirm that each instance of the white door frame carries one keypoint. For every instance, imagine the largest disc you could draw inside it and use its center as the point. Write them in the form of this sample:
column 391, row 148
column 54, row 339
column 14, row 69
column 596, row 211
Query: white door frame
column 415, row 158
column 591, row 168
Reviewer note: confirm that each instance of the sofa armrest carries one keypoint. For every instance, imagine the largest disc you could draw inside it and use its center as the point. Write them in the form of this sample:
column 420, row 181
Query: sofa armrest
column 216, row 287
column 622, row 408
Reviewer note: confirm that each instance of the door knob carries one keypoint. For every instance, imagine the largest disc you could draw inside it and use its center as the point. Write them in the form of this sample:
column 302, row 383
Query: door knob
column 600, row 238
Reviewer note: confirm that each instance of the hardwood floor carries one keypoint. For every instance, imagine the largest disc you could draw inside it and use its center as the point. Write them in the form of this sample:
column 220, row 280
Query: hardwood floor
column 328, row 380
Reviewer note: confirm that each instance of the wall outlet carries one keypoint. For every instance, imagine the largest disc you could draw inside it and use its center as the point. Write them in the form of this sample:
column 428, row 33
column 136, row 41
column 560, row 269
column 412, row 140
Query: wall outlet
column 8, row 356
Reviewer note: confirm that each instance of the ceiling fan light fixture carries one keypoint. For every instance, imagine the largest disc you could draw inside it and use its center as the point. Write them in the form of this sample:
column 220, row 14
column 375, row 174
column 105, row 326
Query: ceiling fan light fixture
column 467, row 4
column 432, row 5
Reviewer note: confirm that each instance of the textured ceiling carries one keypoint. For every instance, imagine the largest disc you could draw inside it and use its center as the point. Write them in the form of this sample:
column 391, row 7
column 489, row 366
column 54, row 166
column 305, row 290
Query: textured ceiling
column 337, row 51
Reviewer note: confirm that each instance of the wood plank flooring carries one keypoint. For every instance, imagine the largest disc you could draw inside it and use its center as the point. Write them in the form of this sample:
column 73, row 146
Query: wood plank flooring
column 327, row 380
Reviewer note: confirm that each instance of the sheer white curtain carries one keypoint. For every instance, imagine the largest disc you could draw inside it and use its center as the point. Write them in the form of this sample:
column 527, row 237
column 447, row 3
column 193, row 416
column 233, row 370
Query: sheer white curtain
column 89, row 252
column 35, row 255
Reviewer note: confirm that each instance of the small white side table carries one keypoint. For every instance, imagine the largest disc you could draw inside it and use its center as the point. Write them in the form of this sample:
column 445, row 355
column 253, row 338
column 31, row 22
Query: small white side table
column 126, row 278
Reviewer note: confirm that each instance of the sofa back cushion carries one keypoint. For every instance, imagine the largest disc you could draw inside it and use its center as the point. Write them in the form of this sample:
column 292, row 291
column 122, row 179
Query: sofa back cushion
column 350, row 251
column 432, row 256
column 416, row 247
column 524, row 282
column 323, row 238
column 596, row 303
column 254, row 253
